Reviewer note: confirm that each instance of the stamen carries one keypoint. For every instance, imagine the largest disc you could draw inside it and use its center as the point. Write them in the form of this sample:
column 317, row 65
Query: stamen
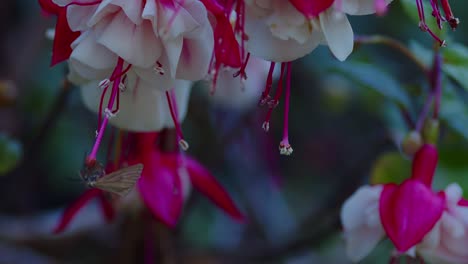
column 101, row 103
column 109, row 114
column 266, row 93
column 241, row 71
column 452, row 20
column 273, row 103
column 284, row 146
column 104, row 83
column 158, row 68
column 422, row 21
column 115, row 91
column 172, row 108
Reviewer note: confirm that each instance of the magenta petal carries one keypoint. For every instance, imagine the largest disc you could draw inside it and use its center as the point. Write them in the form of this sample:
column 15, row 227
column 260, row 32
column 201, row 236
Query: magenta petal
column 49, row 7
column 311, row 8
column 73, row 209
column 409, row 211
column 463, row 202
column 106, row 208
column 424, row 164
column 227, row 49
column 204, row 182
column 64, row 37
column 161, row 192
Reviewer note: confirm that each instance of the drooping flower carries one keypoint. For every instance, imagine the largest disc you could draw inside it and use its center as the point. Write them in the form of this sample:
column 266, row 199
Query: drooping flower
column 167, row 177
column 152, row 37
column 407, row 214
column 286, row 30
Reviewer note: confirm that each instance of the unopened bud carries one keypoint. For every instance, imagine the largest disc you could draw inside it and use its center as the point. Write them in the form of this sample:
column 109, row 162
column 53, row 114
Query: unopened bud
column 430, row 131
column 412, row 143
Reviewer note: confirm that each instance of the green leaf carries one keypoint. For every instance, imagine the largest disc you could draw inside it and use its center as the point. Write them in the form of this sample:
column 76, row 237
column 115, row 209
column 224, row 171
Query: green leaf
column 456, row 63
column 453, row 110
column 424, row 54
column 10, row 154
column 390, row 167
column 372, row 77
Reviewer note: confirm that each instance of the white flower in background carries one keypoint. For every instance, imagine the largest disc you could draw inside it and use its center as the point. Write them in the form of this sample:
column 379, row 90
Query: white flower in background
column 240, row 94
column 278, row 31
column 161, row 41
column 142, row 108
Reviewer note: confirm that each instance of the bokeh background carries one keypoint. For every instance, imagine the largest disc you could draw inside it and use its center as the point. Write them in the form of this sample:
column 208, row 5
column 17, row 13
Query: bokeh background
column 346, row 125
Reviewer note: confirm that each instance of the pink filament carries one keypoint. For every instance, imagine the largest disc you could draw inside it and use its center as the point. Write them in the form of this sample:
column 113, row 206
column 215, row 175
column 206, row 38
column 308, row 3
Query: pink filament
column 174, row 116
column 116, row 75
column 286, row 104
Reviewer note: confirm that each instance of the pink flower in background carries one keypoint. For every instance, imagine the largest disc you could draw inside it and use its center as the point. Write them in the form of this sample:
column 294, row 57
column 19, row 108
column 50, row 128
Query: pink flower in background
column 409, row 213
column 167, row 177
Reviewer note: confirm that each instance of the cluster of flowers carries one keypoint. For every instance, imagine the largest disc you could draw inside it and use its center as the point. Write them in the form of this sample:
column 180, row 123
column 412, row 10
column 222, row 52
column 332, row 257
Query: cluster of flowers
column 148, row 52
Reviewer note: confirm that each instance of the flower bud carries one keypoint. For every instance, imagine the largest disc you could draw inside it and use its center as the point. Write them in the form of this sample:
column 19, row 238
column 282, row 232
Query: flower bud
column 430, row 131
column 425, row 163
column 412, row 143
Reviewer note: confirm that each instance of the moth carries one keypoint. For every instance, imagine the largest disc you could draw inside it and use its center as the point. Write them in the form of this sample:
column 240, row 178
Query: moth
column 119, row 182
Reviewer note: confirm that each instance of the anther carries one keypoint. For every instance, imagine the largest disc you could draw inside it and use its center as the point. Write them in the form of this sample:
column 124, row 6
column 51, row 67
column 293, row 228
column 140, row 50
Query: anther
column 285, row 148
column 109, row 114
column 184, row 145
column 266, row 126
column 104, row 83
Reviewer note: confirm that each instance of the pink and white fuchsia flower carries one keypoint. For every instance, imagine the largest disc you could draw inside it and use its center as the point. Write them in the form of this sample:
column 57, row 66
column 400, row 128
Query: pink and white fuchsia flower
column 414, row 217
column 159, row 40
column 282, row 30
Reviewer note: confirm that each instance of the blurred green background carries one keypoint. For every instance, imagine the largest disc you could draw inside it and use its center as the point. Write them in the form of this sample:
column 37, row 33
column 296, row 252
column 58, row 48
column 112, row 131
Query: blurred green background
column 345, row 128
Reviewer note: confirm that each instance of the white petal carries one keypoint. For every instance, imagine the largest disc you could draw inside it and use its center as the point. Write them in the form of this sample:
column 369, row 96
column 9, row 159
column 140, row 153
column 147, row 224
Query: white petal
column 453, row 193
column 353, row 208
column 264, row 45
column 135, row 44
column 231, row 93
column 131, row 9
column 91, row 60
column 78, row 16
column 338, row 33
column 142, row 108
column 358, row 7
column 360, row 242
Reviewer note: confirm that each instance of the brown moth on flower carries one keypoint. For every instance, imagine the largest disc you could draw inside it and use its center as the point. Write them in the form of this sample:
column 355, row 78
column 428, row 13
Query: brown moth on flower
column 119, row 182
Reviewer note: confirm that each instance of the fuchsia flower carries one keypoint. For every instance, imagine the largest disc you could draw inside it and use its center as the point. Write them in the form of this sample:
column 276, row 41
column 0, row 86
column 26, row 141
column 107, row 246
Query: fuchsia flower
column 167, row 177
column 163, row 186
column 411, row 214
column 282, row 30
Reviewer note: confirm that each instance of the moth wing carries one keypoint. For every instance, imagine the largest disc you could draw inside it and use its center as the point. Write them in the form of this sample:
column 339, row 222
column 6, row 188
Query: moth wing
column 120, row 182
